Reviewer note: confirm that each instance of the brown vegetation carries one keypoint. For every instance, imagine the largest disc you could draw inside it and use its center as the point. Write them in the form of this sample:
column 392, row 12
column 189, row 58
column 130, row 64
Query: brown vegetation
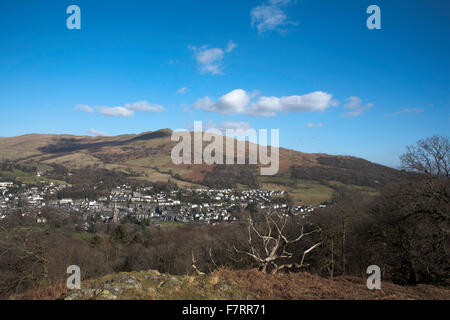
column 237, row 285
column 306, row 286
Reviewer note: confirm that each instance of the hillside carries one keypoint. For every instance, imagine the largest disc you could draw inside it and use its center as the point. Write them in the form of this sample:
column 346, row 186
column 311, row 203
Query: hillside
column 309, row 178
column 235, row 285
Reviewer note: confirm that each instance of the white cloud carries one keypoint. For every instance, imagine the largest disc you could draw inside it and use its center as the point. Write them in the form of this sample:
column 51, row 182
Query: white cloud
column 210, row 60
column 317, row 101
column 233, row 102
column 314, row 125
column 405, row 111
column 271, row 16
column 182, row 90
column 127, row 110
column 355, row 104
column 206, row 104
column 115, row 111
column 97, row 133
column 231, row 46
column 144, row 106
column 240, row 102
column 84, row 108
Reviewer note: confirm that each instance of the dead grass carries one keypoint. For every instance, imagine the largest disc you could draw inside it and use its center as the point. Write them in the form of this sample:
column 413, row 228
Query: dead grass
column 48, row 293
column 227, row 284
column 305, row 286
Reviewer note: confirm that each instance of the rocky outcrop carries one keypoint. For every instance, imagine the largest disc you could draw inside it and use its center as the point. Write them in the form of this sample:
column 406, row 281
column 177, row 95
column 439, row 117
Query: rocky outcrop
column 155, row 286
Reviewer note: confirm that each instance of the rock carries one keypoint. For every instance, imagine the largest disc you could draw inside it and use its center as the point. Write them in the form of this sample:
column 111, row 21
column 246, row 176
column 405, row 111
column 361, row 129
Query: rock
column 171, row 282
column 222, row 287
column 83, row 294
column 106, row 294
column 114, row 288
column 152, row 278
column 131, row 280
column 154, row 285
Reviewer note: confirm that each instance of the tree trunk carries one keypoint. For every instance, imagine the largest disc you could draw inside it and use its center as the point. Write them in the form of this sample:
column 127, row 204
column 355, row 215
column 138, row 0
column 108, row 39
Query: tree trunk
column 343, row 246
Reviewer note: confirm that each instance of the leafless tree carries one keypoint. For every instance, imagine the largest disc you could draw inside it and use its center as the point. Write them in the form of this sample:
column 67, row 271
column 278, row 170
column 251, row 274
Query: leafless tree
column 23, row 261
column 194, row 267
column 268, row 242
column 429, row 156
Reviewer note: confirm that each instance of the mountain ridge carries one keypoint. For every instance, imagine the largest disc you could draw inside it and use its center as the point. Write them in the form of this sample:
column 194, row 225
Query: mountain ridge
column 147, row 156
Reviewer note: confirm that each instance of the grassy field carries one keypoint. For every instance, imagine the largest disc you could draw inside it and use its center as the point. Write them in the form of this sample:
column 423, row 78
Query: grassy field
column 150, row 162
column 305, row 192
column 27, row 177
column 77, row 160
column 83, row 235
column 311, row 193
column 11, row 233
column 365, row 190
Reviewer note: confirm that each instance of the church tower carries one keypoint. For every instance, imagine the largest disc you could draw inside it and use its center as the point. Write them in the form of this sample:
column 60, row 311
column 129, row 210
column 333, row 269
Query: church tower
column 116, row 214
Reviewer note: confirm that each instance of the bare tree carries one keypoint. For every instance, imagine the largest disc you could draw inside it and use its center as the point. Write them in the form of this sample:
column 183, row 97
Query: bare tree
column 268, row 241
column 429, row 156
column 23, row 261
column 194, row 267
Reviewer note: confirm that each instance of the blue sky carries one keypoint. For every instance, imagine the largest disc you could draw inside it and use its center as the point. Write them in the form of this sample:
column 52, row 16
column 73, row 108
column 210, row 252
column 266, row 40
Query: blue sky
column 310, row 68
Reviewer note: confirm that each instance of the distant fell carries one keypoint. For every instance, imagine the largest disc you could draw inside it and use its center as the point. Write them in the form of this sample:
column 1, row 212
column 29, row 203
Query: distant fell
column 147, row 156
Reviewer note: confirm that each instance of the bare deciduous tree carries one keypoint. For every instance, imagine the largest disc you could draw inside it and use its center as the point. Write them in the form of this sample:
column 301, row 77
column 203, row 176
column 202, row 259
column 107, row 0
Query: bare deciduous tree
column 194, row 267
column 268, row 241
column 430, row 156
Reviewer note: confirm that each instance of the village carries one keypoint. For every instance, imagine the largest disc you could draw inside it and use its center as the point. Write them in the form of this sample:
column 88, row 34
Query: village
column 200, row 206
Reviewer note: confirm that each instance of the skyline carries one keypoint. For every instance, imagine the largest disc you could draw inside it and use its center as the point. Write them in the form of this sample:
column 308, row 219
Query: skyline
column 312, row 70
